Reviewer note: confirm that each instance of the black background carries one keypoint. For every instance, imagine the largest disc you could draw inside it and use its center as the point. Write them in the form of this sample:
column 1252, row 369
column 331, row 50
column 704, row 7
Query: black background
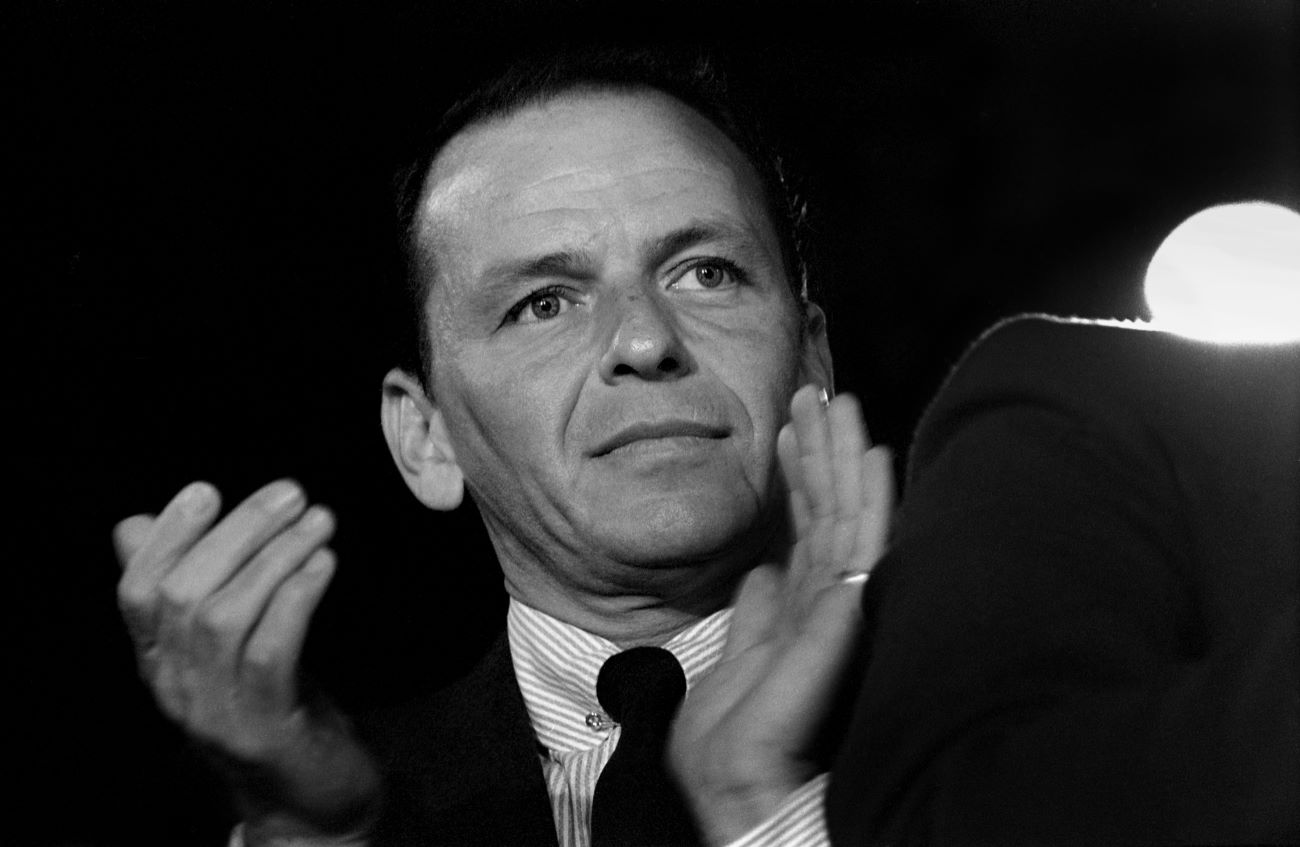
column 199, row 206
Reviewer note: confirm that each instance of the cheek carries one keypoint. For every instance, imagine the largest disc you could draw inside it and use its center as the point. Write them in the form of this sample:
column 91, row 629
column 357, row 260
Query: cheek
column 763, row 368
column 769, row 401
column 505, row 419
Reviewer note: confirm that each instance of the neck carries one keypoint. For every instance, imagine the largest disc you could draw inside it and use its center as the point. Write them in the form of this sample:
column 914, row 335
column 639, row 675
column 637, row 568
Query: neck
column 630, row 603
column 629, row 619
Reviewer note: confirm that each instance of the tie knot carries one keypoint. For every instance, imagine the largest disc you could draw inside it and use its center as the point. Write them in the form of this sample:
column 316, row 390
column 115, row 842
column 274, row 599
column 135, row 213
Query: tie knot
column 641, row 685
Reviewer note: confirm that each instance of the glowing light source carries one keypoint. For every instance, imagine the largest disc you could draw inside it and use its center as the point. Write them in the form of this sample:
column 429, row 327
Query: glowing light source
column 1229, row 273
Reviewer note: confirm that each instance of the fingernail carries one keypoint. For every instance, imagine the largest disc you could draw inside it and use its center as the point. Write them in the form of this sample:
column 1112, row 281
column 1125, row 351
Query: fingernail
column 318, row 565
column 282, row 494
column 195, row 498
column 315, row 518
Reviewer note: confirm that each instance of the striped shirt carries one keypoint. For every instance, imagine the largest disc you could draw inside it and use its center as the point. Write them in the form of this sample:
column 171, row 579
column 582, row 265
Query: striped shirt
column 556, row 665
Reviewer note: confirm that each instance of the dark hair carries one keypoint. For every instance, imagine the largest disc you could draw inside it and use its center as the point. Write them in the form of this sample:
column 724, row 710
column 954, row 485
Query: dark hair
column 692, row 78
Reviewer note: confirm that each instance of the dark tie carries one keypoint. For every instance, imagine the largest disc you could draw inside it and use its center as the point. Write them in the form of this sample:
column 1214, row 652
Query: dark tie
column 636, row 803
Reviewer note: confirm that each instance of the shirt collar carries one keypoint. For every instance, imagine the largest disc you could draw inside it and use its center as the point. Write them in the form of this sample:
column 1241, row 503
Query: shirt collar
column 556, row 664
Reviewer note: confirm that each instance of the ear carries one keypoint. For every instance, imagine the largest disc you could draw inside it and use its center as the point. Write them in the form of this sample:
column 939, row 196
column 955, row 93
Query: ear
column 417, row 438
column 815, row 361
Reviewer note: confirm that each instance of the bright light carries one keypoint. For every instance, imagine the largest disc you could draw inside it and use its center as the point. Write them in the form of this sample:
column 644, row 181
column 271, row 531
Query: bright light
column 1229, row 273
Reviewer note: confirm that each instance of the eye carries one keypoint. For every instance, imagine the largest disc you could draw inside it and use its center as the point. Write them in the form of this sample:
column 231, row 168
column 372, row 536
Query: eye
column 543, row 304
column 708, row 274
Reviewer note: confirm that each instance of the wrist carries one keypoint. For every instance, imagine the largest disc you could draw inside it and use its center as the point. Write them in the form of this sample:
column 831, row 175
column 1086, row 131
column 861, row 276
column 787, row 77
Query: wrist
column 344, row 818
column 322, row 789
column 282, row 830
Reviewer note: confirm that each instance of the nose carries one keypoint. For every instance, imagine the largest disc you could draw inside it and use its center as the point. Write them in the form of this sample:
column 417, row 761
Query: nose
column 644, row 340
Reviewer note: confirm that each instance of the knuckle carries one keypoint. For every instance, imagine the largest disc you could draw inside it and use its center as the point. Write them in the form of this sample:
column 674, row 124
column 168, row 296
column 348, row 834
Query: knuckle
column 274, row 557
column 133, row 597
column 130, row 535
column 174, row 599
column 140, row 628
column 168, row 692
column 292, row 592
column 263, row 659
column 217, row 622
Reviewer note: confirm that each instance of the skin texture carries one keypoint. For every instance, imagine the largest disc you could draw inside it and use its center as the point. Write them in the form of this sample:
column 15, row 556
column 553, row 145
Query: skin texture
column 218, row 611
column 741, row 741
column 632, row 205
column 615, row 356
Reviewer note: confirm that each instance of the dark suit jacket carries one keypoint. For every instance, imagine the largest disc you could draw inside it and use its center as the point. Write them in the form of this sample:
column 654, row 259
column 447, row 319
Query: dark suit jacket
column 1086, row 630
column 462, row 764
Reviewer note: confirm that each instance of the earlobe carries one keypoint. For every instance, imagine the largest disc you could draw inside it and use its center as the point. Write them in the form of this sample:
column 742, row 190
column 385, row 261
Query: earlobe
column 815, row 358
column 419, row 443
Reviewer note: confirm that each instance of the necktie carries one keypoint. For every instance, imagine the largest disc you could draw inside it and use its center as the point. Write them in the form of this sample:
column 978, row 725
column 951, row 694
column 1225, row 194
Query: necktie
column 636, row 804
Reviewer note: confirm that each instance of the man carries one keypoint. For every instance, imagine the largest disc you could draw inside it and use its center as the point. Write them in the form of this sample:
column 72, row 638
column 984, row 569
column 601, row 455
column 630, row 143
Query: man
column 1088, row 625
column 614, row 335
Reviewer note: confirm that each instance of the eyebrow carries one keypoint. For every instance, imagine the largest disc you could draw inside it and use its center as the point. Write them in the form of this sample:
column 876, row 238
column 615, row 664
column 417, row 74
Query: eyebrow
column 578, row 264
column 664, row 247
column 572, row 263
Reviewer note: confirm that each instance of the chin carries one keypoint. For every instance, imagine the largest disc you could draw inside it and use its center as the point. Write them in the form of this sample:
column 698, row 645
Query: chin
column 666, row 531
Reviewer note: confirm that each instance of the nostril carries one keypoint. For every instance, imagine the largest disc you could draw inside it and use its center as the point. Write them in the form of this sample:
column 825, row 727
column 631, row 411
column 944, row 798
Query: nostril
column 669, row 365
column 624, row 369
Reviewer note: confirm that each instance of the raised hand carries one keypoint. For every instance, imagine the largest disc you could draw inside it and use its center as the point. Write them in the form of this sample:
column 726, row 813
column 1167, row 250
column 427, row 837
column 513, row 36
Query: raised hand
column 218, row 611
column 740, row 743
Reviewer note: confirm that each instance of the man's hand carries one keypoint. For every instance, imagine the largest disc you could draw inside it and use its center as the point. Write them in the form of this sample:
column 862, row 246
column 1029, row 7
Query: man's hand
column 218, row 614
column 740, row 742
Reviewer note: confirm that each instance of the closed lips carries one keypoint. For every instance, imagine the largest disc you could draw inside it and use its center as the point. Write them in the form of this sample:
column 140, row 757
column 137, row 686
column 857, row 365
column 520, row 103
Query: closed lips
column 660, row 429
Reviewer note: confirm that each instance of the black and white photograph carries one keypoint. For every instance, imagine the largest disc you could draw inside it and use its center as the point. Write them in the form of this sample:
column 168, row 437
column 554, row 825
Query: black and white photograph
column 592, row 424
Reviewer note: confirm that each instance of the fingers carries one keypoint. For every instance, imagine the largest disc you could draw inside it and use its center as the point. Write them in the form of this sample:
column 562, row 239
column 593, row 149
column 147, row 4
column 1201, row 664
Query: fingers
column 220, row 610
column 830, row 443
column 224, row 622
column 147, row 550
column 196, row 596
column 787, row 451
column 878, row 504
column 147, row 555
column 270, row 663
column 847, row 450
column 840, row 513
column 244, row 598
column 130, row 535
column 813, row 437
column 793, row 630
column 216, row 556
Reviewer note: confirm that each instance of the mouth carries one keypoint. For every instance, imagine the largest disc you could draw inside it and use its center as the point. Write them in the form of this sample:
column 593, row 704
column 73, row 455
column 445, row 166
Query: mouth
column 658, row 431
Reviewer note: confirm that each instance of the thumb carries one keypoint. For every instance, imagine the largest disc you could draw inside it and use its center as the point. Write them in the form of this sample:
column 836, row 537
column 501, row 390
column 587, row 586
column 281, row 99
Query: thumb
column 754, row 611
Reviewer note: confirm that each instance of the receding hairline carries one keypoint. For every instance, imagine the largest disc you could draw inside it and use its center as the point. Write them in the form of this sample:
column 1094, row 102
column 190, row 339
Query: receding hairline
column 444, row 166
column 694, row 81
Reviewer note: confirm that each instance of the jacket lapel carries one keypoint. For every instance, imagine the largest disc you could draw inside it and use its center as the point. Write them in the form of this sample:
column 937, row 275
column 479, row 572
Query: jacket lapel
column 463, row 764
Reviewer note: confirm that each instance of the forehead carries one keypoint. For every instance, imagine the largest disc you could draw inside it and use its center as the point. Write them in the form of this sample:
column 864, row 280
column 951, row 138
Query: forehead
column 580, row 166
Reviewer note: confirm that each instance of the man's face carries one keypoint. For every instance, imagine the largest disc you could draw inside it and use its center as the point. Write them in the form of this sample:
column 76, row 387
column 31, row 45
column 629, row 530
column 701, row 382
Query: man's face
column 614, row 340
